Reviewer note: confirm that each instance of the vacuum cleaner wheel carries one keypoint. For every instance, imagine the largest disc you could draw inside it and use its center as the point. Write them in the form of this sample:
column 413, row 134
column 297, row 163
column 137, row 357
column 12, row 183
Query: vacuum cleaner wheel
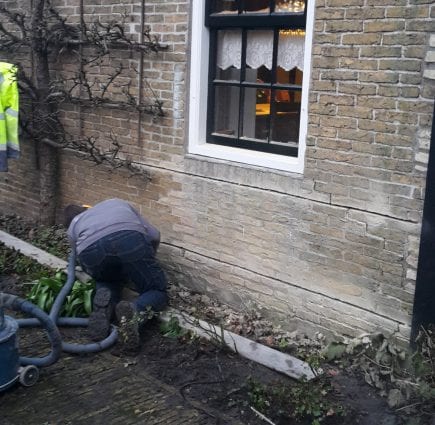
column 28, row 375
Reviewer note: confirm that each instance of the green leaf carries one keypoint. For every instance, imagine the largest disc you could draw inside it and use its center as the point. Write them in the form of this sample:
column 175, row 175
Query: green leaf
column 44, row 291
column 60, row 276
column 335, row 350
column 42, row 300
column 88, row 302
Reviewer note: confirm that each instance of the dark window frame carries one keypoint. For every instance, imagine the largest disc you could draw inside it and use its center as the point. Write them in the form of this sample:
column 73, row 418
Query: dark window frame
column 246, row 22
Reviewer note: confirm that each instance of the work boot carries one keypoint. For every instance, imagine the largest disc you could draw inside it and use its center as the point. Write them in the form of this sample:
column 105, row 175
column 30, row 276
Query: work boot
column 129, row 322
column 99, row 319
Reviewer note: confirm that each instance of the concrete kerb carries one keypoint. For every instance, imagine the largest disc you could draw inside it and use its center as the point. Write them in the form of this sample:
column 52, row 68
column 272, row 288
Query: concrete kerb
column 259, row 353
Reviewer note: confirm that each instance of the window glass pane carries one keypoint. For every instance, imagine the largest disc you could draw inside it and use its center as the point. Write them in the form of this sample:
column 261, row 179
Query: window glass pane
column 229, row 74
column 256, row 6
column 226, row 111
column 290, row 6
column 224, row 6
column 260, row 75
column 285, row 120
column 293, row 77
column 256, row 113
column 229, row 55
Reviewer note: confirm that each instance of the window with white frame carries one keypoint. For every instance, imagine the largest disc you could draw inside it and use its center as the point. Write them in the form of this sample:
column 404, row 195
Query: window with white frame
column 248, row 84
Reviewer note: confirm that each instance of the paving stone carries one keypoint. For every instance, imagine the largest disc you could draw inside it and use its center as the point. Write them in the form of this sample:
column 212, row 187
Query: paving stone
column 101, row 389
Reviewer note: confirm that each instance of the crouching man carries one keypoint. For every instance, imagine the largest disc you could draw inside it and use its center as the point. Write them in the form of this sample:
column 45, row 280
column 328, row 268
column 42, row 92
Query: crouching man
column 115, row 244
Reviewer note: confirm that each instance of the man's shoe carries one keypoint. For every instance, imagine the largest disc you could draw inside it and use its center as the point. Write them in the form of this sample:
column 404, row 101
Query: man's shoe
column 129, row 321
column 99, row 319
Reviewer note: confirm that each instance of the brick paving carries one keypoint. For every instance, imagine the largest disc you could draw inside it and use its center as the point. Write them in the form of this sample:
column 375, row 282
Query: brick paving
column 101, row 389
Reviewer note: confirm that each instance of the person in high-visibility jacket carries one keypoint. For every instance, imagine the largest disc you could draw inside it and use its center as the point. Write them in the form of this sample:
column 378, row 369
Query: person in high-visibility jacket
column 9, row 145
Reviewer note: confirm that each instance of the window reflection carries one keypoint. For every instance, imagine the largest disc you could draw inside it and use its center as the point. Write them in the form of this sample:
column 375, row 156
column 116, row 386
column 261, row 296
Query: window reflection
column 229, row 74
column 290, row 6
column 285, row 120
column 255, row 114
column 258, row 75
column 256, row 6
column 225, row 6
column 226, row 119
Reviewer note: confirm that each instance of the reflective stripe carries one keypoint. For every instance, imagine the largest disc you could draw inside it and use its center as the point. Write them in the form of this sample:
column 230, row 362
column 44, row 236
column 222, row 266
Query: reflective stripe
column 2, row 116
column 2, row 78
column 12, row 112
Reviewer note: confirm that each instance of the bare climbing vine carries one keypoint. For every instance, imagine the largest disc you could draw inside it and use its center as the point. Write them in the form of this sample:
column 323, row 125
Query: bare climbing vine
column 42, row 38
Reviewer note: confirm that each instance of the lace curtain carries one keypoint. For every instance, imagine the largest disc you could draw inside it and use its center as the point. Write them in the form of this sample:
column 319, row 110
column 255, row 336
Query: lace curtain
column 259, row 50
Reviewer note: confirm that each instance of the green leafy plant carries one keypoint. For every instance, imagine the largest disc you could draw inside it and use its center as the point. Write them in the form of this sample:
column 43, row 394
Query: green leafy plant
column 171, row 328
column 78, row 303
column 13, row 262
column 302, row 400
column 258, row 395
column 52, row 239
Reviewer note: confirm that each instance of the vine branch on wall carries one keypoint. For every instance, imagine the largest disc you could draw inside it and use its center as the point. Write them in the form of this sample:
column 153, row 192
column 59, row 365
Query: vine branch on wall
column 44, row 37
column 52, row 37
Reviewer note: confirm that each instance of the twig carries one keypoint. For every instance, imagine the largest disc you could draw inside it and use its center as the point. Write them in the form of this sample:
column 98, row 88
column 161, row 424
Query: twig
column 194, row 405
column 376, row 363
column 18, row 19
column 189, row 384
column 408, row 406
column 215, row 337
column 261, row 416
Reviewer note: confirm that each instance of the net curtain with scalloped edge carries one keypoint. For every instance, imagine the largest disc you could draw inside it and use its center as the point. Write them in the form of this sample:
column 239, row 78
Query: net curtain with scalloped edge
column 259, row 50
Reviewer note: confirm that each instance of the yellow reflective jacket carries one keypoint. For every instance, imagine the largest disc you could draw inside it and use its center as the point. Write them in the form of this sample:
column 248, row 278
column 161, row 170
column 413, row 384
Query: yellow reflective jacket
column 9, row 146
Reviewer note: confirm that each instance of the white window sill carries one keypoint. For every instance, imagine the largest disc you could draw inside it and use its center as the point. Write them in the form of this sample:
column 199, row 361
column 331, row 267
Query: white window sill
column 244, row 156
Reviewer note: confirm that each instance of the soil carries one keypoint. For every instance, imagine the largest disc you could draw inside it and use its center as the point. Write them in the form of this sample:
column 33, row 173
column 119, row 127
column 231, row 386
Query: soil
column 221, row 381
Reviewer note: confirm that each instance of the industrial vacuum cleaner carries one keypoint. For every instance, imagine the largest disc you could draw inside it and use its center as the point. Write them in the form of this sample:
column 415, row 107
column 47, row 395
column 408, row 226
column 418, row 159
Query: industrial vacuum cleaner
column 15, row 368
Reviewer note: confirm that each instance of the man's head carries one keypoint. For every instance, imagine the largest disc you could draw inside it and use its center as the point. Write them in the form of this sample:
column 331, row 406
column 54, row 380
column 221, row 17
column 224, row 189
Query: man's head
column 71, row 211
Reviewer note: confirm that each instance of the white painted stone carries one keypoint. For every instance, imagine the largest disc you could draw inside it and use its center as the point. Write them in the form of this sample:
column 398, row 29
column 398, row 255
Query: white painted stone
column 430, row 56
column 273, row 359
column 429, row 73
column 411, row 274
column 422, row 156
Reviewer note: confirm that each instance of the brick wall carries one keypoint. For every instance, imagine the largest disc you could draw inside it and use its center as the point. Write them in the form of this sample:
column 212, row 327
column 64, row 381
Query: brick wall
column 334, row 249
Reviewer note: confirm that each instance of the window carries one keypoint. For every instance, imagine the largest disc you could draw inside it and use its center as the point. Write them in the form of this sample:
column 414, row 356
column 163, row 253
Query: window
column 248, row 76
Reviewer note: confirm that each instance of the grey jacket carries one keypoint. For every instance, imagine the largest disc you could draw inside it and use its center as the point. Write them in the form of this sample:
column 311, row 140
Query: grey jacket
column 105, row 218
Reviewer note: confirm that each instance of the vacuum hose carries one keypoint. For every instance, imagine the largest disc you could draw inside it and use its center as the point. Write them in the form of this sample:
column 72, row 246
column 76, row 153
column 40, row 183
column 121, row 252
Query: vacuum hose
column 51, row 321
column 18, row 304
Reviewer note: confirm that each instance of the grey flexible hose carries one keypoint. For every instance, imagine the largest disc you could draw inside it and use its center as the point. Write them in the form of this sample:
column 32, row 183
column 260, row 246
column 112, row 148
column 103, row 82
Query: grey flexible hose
column 72, row 321
column 18, row 304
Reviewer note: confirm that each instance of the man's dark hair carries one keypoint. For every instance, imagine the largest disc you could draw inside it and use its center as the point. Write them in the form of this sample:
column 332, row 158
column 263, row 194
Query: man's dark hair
column 70, row 212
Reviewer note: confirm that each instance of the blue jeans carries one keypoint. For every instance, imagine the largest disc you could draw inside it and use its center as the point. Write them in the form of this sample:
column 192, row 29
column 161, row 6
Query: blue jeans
column 122, row 256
